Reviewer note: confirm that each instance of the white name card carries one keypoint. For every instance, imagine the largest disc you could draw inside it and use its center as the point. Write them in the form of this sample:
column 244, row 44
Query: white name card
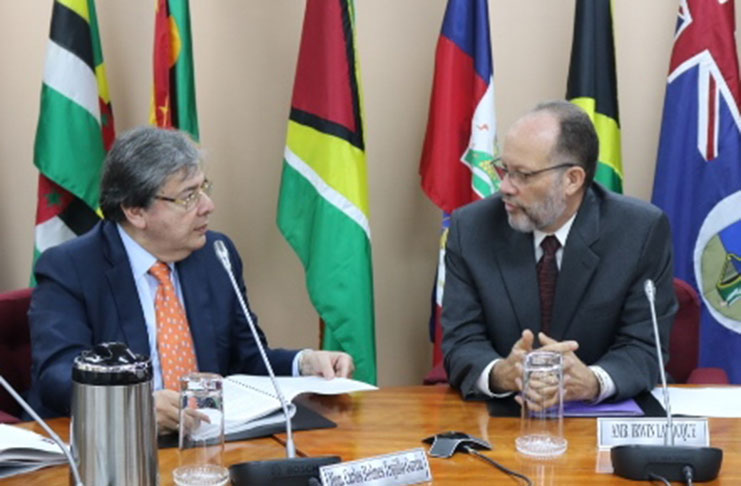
column 651, row 431
column 397, row 469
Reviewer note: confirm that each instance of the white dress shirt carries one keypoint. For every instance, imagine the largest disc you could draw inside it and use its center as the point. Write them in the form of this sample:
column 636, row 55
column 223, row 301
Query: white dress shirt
column 607, row 386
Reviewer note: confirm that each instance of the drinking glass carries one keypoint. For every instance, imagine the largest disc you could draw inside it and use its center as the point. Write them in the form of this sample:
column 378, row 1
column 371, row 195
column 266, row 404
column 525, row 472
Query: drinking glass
column 541, row 425
column 201, row 432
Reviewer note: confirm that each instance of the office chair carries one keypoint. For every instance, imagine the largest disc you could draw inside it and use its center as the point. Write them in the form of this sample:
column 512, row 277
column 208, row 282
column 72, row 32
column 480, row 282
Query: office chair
column 684, row 342
column 15, row 350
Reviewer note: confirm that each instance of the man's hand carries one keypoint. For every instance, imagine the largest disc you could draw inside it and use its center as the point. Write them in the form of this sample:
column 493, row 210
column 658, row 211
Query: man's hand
column 167, row 410
column 328, row 364
column 506, row 375
column 579, row 381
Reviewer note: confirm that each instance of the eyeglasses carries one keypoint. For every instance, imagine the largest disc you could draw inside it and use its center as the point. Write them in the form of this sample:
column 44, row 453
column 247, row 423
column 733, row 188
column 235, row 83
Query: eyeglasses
column 521, row 178
column 191, row 200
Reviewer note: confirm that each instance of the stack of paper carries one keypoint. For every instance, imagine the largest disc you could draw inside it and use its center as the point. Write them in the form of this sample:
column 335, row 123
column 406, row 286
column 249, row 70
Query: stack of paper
column 703, row 402
column 22, row 451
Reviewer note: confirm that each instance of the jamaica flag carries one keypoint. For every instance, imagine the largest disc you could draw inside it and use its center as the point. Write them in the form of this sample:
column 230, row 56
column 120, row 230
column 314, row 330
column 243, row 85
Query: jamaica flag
column 592, row 84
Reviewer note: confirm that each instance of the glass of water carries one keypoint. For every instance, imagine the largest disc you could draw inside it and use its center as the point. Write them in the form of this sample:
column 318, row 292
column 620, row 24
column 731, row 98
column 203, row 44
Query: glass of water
column 541, row 429
column 201, row 432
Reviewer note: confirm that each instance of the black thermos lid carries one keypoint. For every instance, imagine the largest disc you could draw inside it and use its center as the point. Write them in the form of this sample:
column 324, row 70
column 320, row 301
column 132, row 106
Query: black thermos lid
column 109, row 364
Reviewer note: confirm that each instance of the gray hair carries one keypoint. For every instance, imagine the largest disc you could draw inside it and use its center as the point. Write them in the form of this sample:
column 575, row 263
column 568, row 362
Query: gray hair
column 138, row 165
column 577, row 138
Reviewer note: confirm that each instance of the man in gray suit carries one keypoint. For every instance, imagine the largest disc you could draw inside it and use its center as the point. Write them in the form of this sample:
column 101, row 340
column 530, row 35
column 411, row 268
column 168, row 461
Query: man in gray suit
column 555, row 260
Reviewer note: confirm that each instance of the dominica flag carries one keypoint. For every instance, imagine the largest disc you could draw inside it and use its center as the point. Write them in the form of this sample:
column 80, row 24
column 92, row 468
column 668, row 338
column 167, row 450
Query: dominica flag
column 698, row 173
column 174, row 91
column 592, row 84
column 460, row 148
column 75, row 127
column 323, row 204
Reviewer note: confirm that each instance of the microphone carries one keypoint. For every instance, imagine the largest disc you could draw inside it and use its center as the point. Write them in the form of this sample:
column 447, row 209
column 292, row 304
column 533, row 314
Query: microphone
column 40, row 421
column 650, row 290
column 223, row 254
column 674, row 463
column 283, row 471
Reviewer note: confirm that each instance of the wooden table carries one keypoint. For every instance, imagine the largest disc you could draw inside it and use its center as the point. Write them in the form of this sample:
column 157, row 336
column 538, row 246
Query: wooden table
column 394, row 419
column 234, row 452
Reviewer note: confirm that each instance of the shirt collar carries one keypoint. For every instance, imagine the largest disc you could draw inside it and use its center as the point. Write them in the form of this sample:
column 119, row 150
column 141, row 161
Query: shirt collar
column 139, row 258
column 561, row 233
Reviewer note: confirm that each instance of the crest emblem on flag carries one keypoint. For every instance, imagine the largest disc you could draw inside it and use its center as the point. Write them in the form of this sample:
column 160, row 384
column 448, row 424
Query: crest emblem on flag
column 717, row 261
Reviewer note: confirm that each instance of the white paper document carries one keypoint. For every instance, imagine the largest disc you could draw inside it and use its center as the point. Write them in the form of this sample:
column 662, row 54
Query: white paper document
column 703, row 402
column 23, row 450
column 249, row 398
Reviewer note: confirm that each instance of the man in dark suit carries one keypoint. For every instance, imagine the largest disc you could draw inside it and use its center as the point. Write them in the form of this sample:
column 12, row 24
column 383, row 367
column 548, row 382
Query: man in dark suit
column 555, row 260
column 102, row 286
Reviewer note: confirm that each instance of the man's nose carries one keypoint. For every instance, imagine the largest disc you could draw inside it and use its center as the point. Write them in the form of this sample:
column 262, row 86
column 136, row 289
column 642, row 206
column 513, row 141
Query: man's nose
column 206, row 204
column 506, row 187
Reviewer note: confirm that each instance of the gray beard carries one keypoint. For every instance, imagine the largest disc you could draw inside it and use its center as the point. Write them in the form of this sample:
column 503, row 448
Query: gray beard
column 541, row 215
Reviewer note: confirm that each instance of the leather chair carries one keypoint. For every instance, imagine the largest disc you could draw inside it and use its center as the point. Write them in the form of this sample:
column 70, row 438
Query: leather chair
column 684, row 342
column 684, row 345
column 15, row 350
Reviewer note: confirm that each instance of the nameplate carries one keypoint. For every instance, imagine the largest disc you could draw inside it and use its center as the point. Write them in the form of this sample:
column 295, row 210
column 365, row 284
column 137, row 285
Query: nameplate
column 397, row 469
column 651, row 431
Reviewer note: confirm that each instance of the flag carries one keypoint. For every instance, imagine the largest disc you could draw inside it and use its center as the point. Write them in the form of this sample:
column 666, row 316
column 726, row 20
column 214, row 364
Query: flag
column 460, row 148
column 323, row 203
column 174, row 91
column 698, row 173
column 75, row 127
column 592, row 84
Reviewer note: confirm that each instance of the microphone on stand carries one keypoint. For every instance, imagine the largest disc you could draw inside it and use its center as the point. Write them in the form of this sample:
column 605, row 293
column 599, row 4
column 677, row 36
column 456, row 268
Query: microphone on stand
column 40, row 421
column 223, row 254
column 291, row 470
column 674, row 463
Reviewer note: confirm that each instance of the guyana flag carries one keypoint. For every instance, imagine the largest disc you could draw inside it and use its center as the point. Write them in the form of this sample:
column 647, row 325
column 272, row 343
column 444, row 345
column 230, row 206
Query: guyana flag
column 75, row 126
column 592, row 84
column 174, row 92
column 323, row 204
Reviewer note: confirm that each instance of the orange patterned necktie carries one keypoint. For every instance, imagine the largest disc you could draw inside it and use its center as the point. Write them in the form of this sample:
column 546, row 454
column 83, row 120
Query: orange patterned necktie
column 174, row 342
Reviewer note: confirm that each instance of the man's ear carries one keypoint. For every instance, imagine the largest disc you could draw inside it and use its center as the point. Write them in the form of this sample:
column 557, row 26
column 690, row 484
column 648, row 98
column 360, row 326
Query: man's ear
column 575, row 178
column 135, row 216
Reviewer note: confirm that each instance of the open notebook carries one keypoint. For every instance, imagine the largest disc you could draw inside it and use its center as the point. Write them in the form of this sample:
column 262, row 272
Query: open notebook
column 23, row 450
column 250, row 401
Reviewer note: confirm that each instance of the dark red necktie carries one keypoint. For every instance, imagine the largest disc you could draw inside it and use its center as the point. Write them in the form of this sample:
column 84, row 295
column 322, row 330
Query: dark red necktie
column 547, row 275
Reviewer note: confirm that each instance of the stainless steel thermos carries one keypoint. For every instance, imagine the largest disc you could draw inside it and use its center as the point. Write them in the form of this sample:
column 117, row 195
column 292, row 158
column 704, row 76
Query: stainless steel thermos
column 113, row 429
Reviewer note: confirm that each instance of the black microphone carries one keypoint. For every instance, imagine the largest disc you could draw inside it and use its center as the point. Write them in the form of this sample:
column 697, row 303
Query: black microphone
column 292, row 470
column 674, row 463
column 40, row 421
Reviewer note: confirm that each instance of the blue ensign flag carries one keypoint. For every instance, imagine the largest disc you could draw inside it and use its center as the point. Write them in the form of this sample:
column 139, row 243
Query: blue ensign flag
column 698, row 173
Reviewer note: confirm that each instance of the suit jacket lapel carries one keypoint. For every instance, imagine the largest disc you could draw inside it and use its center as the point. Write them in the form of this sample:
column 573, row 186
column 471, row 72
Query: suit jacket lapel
column 123, row 291
column 193, row 278
column 516, row 258
column 578, row 265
